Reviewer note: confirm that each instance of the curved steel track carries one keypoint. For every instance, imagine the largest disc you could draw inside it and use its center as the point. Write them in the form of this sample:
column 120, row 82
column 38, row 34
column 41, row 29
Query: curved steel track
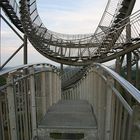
column 79, row 49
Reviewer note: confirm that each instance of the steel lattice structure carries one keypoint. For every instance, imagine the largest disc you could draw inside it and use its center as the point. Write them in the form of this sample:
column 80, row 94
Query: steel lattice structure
column 77, row 49
column 108, row 41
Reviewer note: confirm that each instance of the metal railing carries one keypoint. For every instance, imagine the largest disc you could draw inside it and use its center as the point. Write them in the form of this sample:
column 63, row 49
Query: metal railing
column 25, row 99
column 115, row 101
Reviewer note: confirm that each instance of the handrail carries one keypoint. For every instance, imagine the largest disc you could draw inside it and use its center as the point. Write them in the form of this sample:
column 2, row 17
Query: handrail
column 124, row 83
column 134, row 92
column 4, row 72
column 23, row 88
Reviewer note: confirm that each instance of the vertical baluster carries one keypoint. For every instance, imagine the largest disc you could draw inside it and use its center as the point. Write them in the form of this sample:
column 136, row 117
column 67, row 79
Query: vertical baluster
column 109, row 119
column 33, row 103
column 12, row 108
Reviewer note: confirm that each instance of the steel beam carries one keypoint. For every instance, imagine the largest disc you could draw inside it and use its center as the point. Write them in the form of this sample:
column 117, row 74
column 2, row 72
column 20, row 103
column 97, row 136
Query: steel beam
column 25, row 50
column 18, row 34
column 11, row 56
column 6, row 21
column 128, row 40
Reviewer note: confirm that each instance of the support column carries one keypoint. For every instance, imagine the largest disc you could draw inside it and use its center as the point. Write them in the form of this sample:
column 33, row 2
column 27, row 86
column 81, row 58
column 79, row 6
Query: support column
column 129, row 76
column 61, row 65
column 128, row 39
column 25, row 50
column 118, row 65
column 12, row 109
column 129, row 69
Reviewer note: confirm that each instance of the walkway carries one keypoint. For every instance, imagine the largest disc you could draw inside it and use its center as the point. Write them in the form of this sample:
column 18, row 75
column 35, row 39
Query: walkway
column 69, row 120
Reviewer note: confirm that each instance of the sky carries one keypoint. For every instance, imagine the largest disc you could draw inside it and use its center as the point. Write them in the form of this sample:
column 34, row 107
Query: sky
column 67, row 16
column 64, row 16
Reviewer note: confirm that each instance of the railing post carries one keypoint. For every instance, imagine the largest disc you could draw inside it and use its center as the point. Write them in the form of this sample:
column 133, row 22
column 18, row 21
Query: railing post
column 49, row 85
column 80, row 91
column 54, row 84
column 24, row 86
column 109, row 119
column 101, row 105
column 95, row 94
column 43, row 91
column 88, row 86
column 82, row 88
column 33, row 103
column 91, row 88
column 119, row 109
column 12, row 108
column 58, row 87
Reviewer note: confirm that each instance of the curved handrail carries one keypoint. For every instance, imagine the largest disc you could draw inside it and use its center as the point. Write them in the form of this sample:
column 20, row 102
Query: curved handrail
column 11, row 70
column 135, row 93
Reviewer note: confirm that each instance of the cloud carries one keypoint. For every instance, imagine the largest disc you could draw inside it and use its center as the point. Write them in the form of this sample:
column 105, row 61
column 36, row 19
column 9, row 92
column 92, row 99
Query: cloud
column 81, row 19
column 137, row 6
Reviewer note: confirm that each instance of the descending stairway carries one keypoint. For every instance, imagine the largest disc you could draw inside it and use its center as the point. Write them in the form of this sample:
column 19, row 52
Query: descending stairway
column 114, row 32
column 69, row 119
column 11, row 8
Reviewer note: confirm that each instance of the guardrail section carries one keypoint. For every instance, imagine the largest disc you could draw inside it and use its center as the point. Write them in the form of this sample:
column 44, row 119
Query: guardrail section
column 25, row 98
column 116, row 103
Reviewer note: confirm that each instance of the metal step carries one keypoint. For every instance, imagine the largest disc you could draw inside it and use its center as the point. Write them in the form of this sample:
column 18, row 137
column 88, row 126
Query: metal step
column 69, row 118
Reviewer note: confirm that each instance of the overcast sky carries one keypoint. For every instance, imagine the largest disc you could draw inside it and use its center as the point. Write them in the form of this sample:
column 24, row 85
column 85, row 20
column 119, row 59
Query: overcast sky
column 65, row 16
